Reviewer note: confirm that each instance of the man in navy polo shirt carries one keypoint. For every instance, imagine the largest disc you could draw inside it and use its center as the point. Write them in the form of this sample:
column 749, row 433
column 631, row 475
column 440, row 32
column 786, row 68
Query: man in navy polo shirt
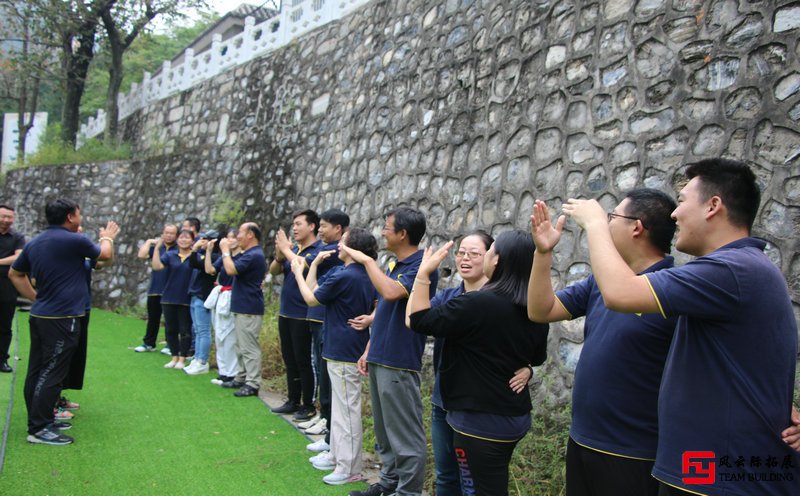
column 726, row 392
column 55, row 259
column 247, row 305
column 394, row 358
column 614, row 432
column 11, row 243
column 332, row 224
column 293, row 328
column 169, row 234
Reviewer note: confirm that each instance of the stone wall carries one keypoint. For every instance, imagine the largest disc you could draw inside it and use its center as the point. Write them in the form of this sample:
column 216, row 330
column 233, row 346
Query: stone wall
column 468, row 110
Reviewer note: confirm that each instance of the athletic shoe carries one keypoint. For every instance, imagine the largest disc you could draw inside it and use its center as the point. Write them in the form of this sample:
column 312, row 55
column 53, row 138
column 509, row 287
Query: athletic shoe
column 320, row 445
column 61, row 414
column 49, row 436
column 180, row 366
column 320, row 457
column 232, row 384
column 217, row 382
column 166, row 351
column 373, row 490
column 197, row 367
column 321, row 427
column 304, row 413
column 170, row 365
column 143, row 348
column 246, row 390
column 337, row 479
column 287, row 407
column 61, row 426
column 5, row 367
column 324, row 465
column 66, row 404
column 309, row 423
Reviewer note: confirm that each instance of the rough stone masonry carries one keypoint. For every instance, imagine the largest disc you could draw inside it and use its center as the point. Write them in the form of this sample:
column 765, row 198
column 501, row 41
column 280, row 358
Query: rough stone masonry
column 468, row 110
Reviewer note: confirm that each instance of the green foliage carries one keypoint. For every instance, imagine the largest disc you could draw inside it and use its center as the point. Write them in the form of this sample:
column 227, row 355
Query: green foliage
column 146, row 53
column 228, row 210
column 53, row 151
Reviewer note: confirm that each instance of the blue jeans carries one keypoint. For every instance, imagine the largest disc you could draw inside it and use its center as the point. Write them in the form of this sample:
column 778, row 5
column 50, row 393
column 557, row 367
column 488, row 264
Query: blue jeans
column 448, row 482
column 201, row 321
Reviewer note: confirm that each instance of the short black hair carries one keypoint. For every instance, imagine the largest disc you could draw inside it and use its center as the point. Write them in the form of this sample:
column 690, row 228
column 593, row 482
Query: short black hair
column 411, row 221
column 253, row 228
column 734, row 182
column 56, row 211
column 362, row 240
column 654, row 208
column 311, row 217
column 336, row 217
column 510, row 278
column 484, row 236
column 194, row 221
column 7, row 207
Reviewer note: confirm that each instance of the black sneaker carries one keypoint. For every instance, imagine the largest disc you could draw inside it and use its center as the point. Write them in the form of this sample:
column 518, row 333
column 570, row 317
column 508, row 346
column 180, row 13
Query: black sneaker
column 304, row 413
column 61, row 426
column 373, row 490
column 232, row 384
column 49, row 436
column 5, row 367
column 246, row 390
column 288, row 407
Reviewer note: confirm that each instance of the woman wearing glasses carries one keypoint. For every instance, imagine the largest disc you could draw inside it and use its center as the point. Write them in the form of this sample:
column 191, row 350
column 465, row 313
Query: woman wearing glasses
column 479, row 415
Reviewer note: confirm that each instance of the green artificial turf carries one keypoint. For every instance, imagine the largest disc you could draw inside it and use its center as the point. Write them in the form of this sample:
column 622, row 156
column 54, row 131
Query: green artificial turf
column 143, row 429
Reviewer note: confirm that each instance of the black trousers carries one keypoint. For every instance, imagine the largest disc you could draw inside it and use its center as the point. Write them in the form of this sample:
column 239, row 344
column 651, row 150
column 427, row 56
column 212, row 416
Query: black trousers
column 322, row 377
column 153, row 320
column 53, row 341
column 295, row 337
column 483, row 464
column 592, row 473
column 77, row 366
column 178, row 324
column 7, row 309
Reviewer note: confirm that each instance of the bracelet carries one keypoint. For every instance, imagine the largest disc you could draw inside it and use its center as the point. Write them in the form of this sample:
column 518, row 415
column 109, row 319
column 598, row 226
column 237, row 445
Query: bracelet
column 423, row 281
column 106, row 238
column 226, row 254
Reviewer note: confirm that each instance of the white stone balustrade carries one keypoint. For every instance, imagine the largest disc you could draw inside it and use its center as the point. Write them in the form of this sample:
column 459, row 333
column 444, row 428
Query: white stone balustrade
column 296, row 18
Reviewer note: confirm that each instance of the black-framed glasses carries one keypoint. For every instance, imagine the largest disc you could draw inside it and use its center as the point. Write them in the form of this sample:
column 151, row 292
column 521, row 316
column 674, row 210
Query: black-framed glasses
column 611, row 215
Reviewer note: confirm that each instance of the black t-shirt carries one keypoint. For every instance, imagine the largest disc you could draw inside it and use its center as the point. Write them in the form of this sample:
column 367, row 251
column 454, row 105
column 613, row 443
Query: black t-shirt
column 9, row 243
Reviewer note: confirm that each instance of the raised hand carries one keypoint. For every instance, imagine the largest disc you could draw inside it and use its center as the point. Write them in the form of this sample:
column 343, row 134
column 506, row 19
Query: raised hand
column 110, row 231
column 432, row 259
column 585, row 212
column 544, row 234
column 298, row 266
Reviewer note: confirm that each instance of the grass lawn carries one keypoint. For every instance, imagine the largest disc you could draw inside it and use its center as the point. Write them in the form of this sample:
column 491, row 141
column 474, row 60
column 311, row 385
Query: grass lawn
column 143, row 429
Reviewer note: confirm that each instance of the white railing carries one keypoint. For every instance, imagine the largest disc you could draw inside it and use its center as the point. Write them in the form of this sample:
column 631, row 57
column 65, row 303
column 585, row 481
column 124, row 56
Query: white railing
column 295, row 18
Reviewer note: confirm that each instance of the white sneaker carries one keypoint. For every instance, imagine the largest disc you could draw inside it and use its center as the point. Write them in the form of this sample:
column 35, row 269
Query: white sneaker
column 320, row 445
column 216, row 382
column 325, row 456
column 337, row 479
column 320, row 427
column 197, row 367
column 142, row 348
column 166, row 351
column 309, row 423
column 324, row 465
column 170, row 365
column 180, row 366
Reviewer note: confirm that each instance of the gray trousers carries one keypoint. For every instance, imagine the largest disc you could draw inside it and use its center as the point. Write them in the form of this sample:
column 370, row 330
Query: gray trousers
column 248, row 350
column 397, row 413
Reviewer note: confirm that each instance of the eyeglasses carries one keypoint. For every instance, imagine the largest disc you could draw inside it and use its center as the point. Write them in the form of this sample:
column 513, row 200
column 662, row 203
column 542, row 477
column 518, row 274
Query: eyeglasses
column 611, row 215
column 468, row 254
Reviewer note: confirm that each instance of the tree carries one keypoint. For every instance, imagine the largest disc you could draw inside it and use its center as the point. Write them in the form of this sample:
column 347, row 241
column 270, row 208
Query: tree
column 123, row 23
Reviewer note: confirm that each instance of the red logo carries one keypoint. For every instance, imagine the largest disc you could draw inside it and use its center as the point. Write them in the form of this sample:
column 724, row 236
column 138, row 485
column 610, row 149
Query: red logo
column 699, row 467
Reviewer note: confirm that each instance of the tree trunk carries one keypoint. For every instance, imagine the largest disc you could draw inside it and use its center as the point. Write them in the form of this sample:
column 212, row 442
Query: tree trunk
column 115, row 74
column 76, row 65
column 22, row 126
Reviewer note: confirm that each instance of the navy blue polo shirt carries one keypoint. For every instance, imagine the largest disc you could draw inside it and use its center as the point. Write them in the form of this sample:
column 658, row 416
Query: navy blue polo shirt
column 247, row 297
column 179, row 275
column 729, row 378
column 615, row 394
column 222, row 276
column 346, row 293
column 317, row 313
column 55, row 258
column 441, row 298
column 158, row 278
column 89, row 264
column 392, row 343
column 293, row 305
